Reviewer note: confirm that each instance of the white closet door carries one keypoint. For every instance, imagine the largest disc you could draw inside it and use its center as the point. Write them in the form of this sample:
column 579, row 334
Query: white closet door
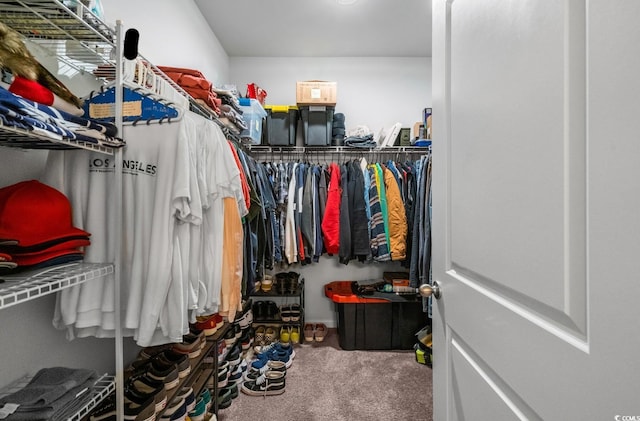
column 536, row 209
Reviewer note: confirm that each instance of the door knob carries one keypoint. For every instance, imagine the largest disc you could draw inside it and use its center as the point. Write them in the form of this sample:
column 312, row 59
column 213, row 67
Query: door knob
column 427, row 290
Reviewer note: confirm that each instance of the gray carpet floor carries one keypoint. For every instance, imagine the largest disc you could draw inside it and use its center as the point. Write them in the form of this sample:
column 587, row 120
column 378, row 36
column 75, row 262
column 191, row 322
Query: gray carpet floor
column 328, row 383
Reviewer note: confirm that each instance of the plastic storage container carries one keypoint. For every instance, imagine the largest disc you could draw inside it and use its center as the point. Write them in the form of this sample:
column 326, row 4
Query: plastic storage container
column 375, row 323
column 281, row 125
column 253, row 115
column 318, row 122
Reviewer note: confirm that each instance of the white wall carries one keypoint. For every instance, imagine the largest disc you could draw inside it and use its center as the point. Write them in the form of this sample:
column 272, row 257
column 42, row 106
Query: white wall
column 372, row 91
column 172, row 33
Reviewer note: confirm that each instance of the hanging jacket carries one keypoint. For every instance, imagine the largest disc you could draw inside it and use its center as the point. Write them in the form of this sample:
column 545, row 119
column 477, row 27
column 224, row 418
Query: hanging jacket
column 344, row 251
column 331, row 220
column 378, row 241
column 382, row 196
column 358, row 214
column 397, row 217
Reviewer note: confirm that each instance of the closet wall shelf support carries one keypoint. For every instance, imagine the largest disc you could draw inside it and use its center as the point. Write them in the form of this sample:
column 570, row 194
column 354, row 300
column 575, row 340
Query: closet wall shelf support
column 25, row 139
column 103, row 387
column 26, row 286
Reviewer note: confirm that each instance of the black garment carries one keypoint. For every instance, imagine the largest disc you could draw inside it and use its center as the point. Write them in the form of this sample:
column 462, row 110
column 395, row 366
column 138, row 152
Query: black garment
column 344, row 251
column 358, row 213
column 308, row 236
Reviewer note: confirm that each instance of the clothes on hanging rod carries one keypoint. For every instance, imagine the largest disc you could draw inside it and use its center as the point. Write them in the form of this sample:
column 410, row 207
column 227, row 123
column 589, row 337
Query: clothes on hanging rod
column 354, row 209
column 183, row 200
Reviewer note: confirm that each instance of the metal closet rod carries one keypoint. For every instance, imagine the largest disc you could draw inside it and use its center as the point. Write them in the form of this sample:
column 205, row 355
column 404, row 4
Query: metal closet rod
column 258, row 149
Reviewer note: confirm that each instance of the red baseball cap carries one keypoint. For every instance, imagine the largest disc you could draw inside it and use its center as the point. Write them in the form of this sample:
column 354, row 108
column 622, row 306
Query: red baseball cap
column 32, row 213
column 37, row 258
column 62, row 245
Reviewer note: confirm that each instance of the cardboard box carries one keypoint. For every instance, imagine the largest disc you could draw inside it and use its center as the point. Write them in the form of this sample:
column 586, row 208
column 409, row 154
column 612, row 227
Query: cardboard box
column 316, row 92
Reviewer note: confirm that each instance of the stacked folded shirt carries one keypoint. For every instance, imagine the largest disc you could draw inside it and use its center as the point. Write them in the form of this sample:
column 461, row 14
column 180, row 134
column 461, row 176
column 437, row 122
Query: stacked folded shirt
column 196, row 85
column 231, row 113
column 52, row 394
column 17, row 111
column 36, row 228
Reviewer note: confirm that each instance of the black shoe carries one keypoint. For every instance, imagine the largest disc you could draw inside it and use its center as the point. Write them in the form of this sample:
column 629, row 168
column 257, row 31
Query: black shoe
column 224, row 398
column 272, row 311
column 259, row 310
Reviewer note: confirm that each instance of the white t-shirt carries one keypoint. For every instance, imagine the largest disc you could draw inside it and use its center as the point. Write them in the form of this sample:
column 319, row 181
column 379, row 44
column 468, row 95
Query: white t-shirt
column 223, row 180
column 150, row 196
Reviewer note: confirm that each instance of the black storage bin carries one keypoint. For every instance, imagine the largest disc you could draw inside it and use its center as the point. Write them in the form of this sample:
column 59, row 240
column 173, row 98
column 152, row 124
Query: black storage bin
column 281, row 125
column 317, row 122
column 364, row 325
column 390, row 325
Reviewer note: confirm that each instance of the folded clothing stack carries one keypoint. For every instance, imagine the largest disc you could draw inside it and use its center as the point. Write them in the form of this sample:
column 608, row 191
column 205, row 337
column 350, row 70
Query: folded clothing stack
column 196, row 85
column 36, row 228
column 52, row 394
column 17, row 111
column 338, row 130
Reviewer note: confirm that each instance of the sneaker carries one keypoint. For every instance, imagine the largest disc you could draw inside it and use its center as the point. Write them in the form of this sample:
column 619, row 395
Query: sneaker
column 195, row 334
column 236, row 376
column 224, row 398
column 190, row 345
column 259, row 334
column 270, row 335
column 189, row 397
column 246, row 319
column 207, row 324
column 270, row 383
column 222, row 351
column 285, row 313
column 295, row 312
column 223, row 375
column 245, row 340
column 142, row 386
column 233, row 388
column 151, row 351
column 158, row 370
column 262, row 366
column 234, row 356
column 168, row 356
column 199, row 412
column 139, row 412
column 205, row 395
column 294, row 336
column 284, row 334
column 177, row 411
column 139, row 406
column 230, row 336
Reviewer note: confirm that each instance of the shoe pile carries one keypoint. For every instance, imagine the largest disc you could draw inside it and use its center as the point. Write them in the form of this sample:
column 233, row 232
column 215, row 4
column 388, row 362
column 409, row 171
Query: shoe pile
column 238, row 342
column 267, row 372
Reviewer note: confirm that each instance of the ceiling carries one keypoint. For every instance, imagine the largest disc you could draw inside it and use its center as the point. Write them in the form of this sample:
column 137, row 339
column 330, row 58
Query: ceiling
column 321, row 28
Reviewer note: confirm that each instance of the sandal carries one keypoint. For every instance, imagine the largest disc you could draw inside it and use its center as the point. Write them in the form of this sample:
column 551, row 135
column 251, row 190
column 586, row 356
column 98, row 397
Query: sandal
column 309, row 331
column 321, row 332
